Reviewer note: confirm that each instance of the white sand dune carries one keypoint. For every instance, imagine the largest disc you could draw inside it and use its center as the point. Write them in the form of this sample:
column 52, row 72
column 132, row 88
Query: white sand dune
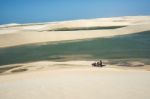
column 77, row 83
column 35, row 33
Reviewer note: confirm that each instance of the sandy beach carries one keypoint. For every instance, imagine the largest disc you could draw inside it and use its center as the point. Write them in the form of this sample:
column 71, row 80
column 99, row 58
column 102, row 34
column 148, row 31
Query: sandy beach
column 77, row 83
column 15, row 35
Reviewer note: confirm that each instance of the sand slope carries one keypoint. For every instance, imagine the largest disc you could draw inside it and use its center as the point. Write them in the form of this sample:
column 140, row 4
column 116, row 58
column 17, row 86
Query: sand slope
column 77, row 83
column 12, row 35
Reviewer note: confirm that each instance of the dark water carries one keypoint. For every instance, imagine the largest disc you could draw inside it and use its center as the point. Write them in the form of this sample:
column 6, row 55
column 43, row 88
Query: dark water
column 87, row 28
column 118, row 47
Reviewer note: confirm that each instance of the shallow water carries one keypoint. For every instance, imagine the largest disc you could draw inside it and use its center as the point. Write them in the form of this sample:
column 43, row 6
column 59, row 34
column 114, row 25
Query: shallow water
column 132, row 46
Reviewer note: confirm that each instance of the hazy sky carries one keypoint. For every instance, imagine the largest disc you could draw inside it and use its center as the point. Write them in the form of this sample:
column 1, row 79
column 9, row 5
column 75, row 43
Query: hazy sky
column 28, row 11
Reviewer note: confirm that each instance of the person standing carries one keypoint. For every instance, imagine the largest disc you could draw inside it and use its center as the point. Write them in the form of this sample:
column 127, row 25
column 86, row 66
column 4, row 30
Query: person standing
column 100, row 63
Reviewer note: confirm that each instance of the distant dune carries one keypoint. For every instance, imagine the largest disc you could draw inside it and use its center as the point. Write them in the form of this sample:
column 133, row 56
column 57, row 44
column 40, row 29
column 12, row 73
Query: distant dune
column 19, row 34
